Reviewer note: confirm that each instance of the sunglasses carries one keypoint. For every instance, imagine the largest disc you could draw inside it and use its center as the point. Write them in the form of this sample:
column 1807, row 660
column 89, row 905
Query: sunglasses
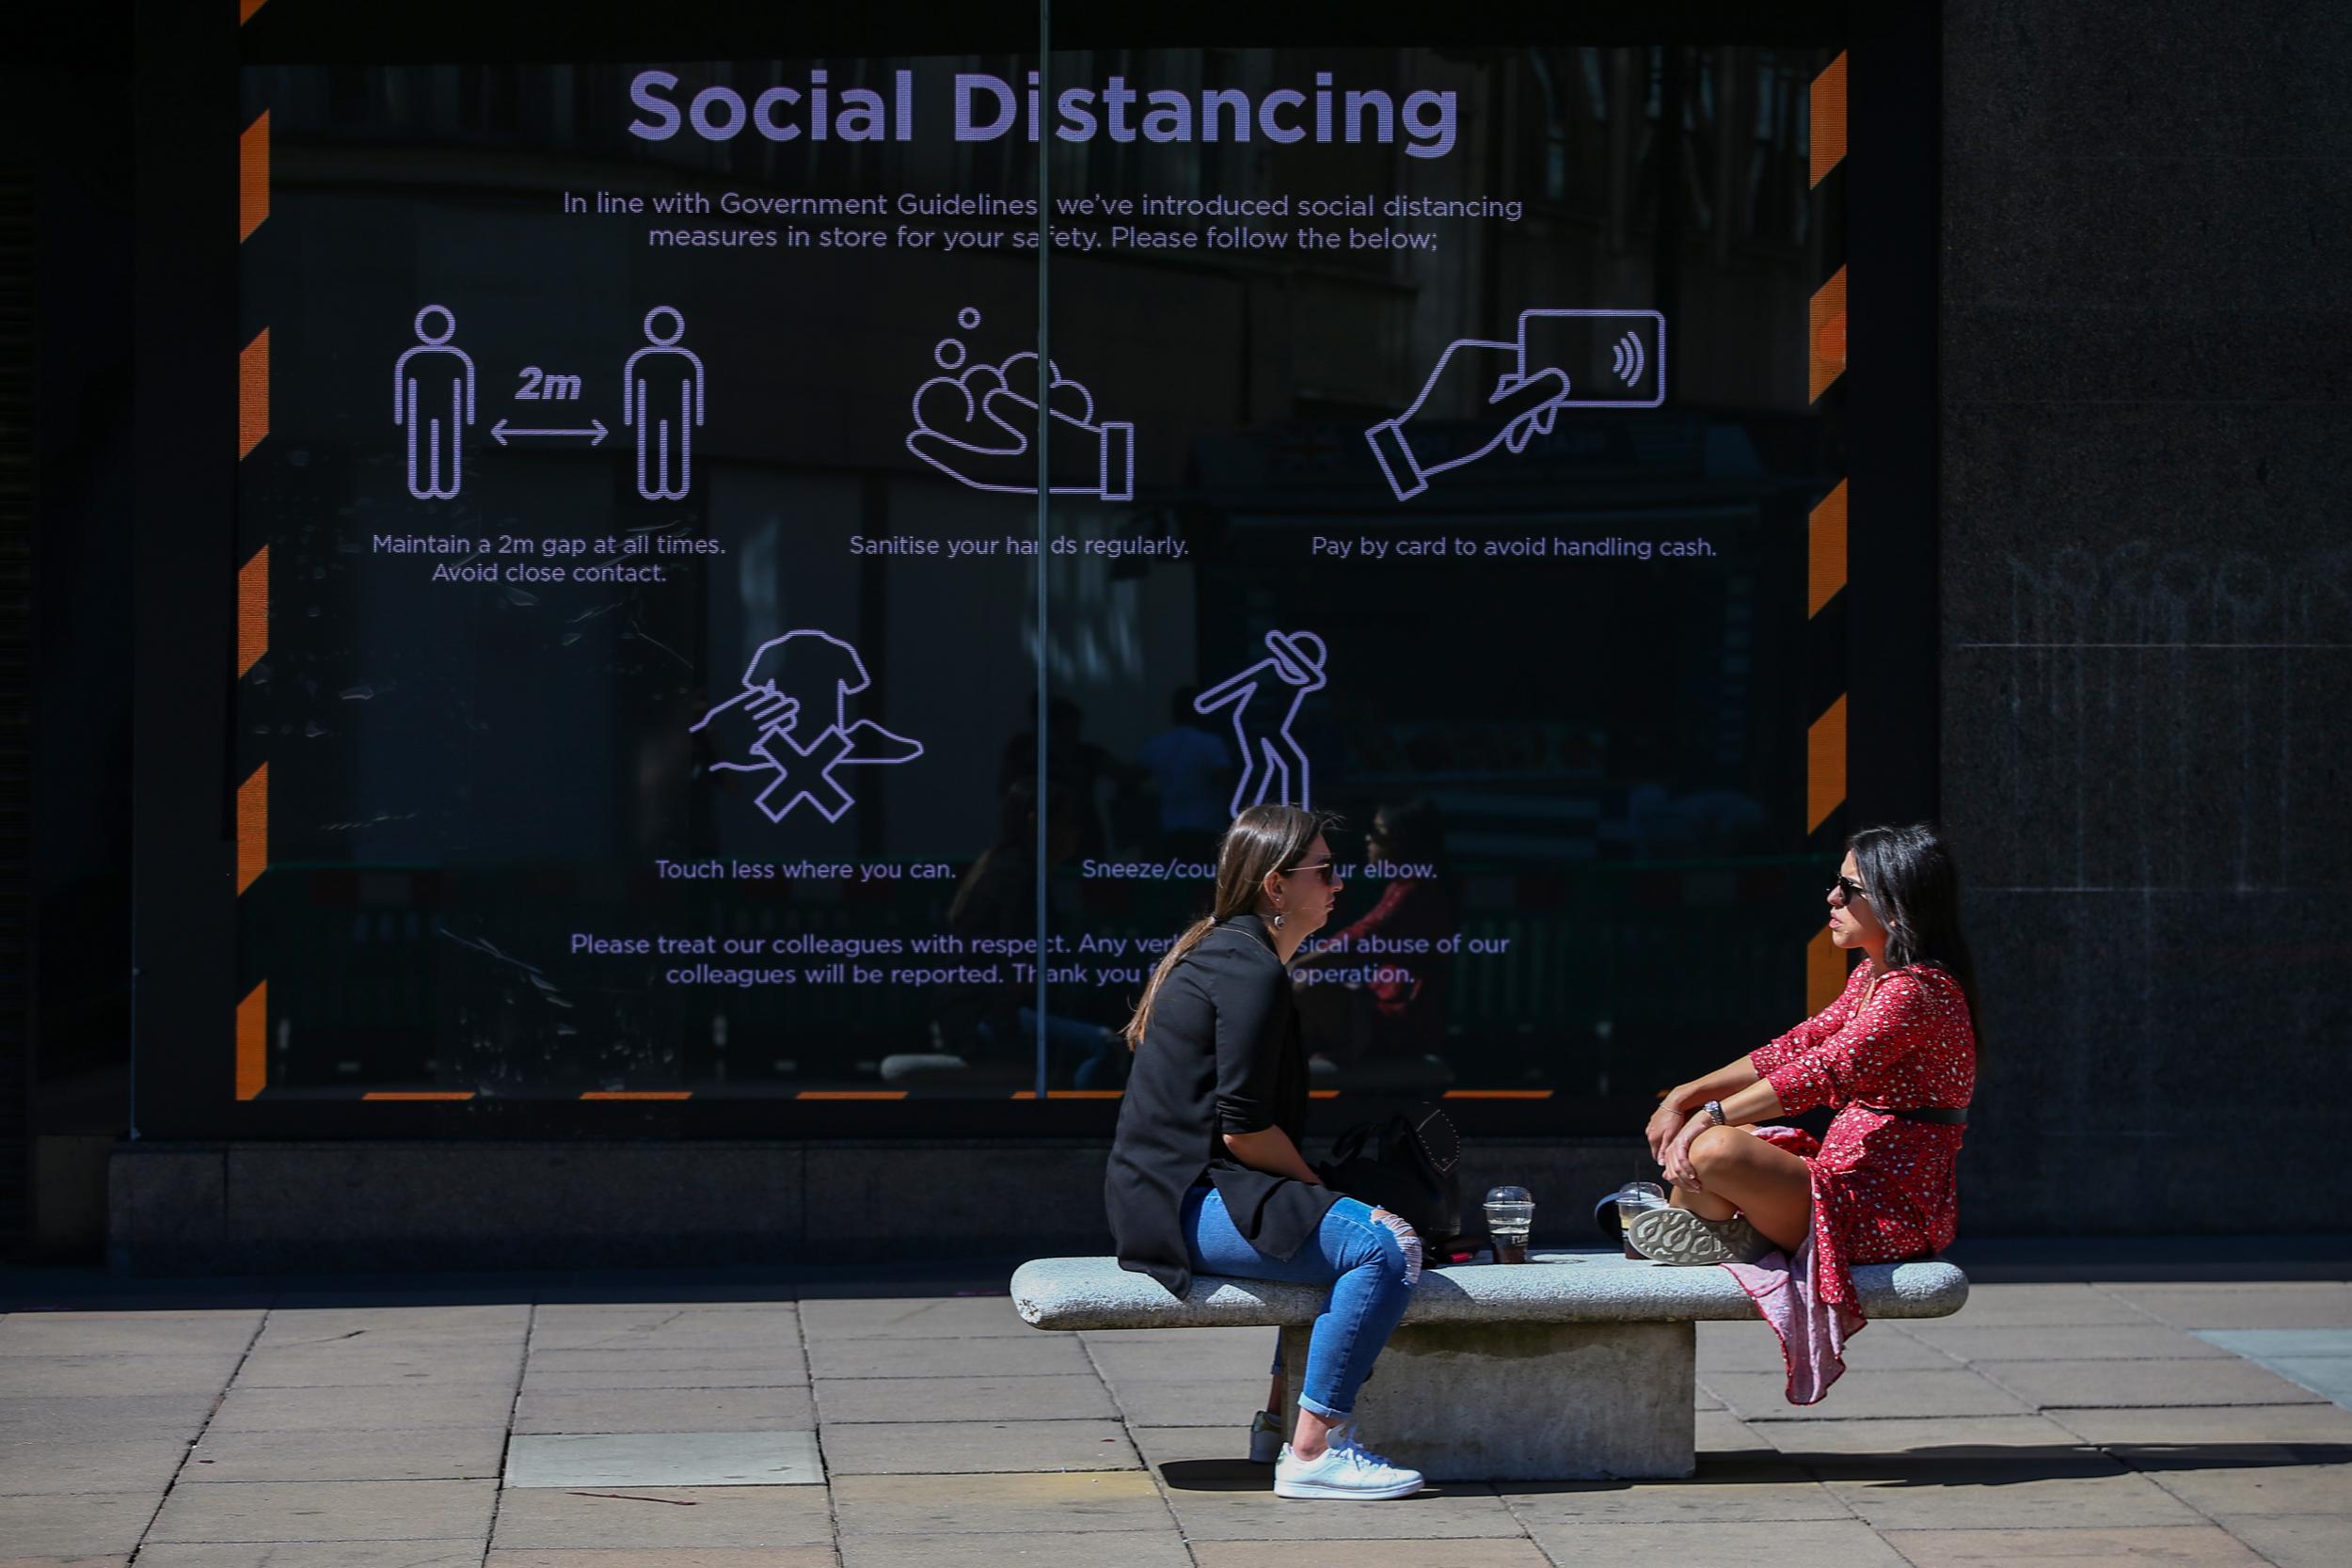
column 1321, row 868
column 1847, row 888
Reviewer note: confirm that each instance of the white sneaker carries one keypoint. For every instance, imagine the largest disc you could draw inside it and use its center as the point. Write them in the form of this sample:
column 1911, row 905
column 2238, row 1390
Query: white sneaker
column 1345, row 1469
column 1265, row 1438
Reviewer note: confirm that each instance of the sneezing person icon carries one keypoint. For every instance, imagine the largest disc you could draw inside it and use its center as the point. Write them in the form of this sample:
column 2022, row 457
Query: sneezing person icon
column 433, row 399
column 1274, row 766
column 661, row 395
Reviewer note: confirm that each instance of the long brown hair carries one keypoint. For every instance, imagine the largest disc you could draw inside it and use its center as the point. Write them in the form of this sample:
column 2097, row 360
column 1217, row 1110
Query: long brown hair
column 1263, row 840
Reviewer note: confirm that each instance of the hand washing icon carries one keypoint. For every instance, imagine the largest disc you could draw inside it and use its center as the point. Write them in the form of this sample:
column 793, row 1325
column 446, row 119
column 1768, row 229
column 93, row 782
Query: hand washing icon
column 978, row 424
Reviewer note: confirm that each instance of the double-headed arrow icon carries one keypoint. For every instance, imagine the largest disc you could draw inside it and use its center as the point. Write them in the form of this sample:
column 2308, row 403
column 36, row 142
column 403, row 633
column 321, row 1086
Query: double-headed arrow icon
column 596, row 432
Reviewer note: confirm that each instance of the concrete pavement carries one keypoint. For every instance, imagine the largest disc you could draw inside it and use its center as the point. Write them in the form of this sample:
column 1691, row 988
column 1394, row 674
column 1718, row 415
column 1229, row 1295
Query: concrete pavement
column 874, row 1427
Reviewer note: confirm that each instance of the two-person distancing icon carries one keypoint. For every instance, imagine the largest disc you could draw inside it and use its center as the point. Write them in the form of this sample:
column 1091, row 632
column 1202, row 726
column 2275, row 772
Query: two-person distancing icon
column 661, row 400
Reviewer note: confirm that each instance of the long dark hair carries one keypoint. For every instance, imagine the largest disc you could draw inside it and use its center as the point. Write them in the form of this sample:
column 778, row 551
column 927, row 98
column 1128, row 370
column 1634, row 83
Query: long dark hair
column 1263, row 840
column 1914, row 887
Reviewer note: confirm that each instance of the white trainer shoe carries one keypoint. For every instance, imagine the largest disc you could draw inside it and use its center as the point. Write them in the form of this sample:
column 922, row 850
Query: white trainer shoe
column 1344, row 1470
column 1265, row 1438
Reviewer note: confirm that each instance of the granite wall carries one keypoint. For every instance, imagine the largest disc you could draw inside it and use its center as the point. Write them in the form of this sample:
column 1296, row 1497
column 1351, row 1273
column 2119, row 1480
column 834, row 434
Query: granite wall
column 2147, row 605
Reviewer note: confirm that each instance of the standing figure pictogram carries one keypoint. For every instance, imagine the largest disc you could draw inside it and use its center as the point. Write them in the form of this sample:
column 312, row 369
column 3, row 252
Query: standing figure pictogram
column 661, row 395
column 433, row 398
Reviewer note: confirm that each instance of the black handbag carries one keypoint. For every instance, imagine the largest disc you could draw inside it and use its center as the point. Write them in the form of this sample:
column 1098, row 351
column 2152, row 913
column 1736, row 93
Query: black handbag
column 1406, row 1165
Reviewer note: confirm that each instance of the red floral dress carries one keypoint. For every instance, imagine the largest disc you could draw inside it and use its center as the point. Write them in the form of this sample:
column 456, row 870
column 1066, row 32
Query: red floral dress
column 1883, row 1188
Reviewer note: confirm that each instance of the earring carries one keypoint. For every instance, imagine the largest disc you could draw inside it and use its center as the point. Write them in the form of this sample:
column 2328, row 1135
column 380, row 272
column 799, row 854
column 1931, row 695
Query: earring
column 1277, row 920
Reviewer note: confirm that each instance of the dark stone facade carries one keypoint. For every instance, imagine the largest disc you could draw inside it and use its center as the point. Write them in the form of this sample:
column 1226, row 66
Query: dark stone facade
column 2147, row 605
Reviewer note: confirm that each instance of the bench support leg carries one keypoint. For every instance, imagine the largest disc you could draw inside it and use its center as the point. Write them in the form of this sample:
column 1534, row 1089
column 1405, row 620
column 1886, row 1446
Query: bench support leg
column 1530, row 1401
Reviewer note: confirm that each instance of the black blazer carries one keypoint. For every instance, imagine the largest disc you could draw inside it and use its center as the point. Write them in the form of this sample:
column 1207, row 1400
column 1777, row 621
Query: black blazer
column 1222, row 1055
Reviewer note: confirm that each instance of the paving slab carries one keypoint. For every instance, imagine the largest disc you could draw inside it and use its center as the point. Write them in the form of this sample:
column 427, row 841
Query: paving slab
column 466, row 1553
column 1746, row 1488
column 554, row 1309
column 684, row 1556
column 112, row 1559
column 1226, row 1403
column 2328, row 1376
column 299, row 1325
column 1219, row 1496
column 393, row 1409
column 1204, row 1341
column 2063, row 1342
column 665, row 1410
column 662, row 1518
column 1066, row 1550
column 1102, row 1500
column 356, row 1364
column 1792, row 1543
column 30, row 1467
column 2271, row 1304
column 1373, row 1553
column 127, row 1333
column 776, row 1330
column 965, row 1448
column 1719, row 1432
column 2256, row 1425
column 328, row 1511
column 2085, row 1385
column 1764, row 1396
column 2258, row 1343
column 1042, row 1397
column 1001, row 1356
column 2261, row 1488
column 914, row 1318
column 666, row 1459
column 2046, row 1305
column 1909, row 1490
column 79, row 1524
column 449, row 1453
column 1168, row 1362
column 625, row 1377
column 88, row 1376
column 2187, row 1545
column 745, row 1366
column 1946, row 1437
column 101, row 1417
column 1754, row 1348
column 2295, row 1540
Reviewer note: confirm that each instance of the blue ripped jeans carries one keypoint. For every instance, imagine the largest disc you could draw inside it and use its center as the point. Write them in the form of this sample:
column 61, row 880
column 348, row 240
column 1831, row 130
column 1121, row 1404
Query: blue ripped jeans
column 1356, row 1256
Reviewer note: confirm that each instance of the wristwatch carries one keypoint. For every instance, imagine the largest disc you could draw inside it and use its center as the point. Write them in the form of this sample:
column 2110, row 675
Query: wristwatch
column 1715, row 1111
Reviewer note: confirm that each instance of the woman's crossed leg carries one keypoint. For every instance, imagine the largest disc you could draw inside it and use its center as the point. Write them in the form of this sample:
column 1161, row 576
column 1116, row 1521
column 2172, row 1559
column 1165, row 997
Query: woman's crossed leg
column 1731, row 1170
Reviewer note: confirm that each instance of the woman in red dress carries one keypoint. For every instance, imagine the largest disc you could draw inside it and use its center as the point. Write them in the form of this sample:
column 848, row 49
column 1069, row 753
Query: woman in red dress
column 1896, row 1054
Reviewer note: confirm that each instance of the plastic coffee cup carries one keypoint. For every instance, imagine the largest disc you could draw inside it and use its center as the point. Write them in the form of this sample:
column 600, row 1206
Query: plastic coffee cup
column 1510, row 1218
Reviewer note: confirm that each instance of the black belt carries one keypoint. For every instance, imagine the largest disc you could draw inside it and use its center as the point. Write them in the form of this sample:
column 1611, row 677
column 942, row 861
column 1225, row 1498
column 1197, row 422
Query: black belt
column 1943, row 1116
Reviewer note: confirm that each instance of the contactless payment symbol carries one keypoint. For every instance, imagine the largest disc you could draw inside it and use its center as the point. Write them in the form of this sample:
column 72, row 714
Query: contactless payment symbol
column 1613, row 358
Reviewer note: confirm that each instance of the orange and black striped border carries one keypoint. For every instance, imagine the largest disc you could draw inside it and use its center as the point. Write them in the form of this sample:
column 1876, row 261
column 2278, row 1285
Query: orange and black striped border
column 1825, row 532
column 252, row 812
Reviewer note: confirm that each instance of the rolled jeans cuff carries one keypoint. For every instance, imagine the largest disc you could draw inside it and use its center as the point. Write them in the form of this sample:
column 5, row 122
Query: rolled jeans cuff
column 1316, row 1407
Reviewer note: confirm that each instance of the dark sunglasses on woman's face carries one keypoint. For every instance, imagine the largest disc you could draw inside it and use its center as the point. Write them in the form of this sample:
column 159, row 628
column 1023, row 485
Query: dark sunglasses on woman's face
column 1847, row 889
column 1321, row 868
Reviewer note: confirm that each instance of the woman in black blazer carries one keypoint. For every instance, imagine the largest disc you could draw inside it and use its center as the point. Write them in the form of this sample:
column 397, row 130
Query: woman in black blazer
column 1205, row 1172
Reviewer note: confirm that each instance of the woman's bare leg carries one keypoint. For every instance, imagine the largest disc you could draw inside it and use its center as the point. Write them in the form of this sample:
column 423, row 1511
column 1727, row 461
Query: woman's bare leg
column 1706, row 1205
column 1739, row 1170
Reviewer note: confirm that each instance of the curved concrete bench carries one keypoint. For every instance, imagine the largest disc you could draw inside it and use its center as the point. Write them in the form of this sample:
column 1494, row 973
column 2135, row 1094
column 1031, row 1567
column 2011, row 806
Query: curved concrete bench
column 1580, row 1366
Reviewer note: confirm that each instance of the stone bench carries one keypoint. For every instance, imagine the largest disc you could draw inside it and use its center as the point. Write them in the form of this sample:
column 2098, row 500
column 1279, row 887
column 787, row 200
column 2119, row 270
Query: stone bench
column 1578, row 1366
